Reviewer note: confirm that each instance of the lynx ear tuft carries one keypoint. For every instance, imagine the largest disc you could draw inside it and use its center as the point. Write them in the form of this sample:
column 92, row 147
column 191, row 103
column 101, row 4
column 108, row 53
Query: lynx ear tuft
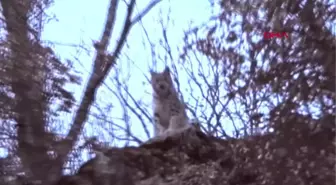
column 167, row 70
column 152, row 72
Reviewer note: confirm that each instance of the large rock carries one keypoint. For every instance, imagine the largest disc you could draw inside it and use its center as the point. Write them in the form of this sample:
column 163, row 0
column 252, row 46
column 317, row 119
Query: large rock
column 192, row 158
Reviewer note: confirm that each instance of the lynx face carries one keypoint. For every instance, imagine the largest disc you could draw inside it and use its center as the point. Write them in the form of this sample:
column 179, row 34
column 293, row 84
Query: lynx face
column 162, row 83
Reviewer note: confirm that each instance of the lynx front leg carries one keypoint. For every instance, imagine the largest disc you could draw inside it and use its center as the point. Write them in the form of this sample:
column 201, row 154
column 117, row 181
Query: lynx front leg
column 158, row 128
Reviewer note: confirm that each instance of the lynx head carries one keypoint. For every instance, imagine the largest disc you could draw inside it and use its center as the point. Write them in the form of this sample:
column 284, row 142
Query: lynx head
column 162, row 83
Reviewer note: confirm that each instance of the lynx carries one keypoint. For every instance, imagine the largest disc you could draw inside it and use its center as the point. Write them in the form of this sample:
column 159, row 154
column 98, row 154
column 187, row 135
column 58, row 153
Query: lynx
column 169, row 112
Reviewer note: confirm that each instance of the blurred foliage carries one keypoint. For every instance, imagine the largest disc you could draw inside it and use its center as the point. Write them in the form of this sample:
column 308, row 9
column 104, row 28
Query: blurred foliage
column 273, row 78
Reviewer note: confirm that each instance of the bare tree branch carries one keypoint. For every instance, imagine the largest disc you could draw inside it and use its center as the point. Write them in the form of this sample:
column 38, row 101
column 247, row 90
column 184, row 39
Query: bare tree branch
column 102, row 65
column 145, row 11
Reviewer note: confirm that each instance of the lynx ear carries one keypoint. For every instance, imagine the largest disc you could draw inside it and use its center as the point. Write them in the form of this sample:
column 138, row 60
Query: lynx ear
column 152, row 72
column 167, row 70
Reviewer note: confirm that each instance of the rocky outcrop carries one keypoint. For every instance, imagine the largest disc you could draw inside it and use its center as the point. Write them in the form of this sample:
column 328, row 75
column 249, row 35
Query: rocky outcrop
column 192, row 158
